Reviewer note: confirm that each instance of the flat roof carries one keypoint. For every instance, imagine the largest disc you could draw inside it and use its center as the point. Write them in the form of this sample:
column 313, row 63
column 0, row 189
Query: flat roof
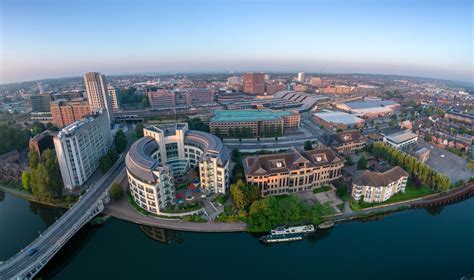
column 248, row 115
column 370, row 104
column 401, row 137
column 339, row 117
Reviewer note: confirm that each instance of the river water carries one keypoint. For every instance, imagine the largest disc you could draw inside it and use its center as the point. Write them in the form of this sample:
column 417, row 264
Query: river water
column 435, row 243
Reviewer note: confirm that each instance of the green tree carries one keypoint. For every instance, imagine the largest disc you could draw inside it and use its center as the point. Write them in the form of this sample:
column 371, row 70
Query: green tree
column 362, row 163
column 139, row 130
column 120, row 141
column 349, row 160
column 33, row 158
column 116, row 191
column 238, row 195
column 105, row 163
column 26, row 180
column 37, row 128
column 428, row 137
column 308, row 145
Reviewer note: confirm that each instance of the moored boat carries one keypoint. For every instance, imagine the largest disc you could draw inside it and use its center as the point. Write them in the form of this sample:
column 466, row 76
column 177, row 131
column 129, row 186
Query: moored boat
column 285, row 234
column 326, row 225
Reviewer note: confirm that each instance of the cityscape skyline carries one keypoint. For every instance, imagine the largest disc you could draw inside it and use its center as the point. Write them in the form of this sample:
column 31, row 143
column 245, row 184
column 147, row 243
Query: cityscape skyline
column 57, row 39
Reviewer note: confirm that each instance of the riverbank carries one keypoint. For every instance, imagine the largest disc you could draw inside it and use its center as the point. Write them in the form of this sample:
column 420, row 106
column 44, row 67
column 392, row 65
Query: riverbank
column 27, row 196
column 124, row 211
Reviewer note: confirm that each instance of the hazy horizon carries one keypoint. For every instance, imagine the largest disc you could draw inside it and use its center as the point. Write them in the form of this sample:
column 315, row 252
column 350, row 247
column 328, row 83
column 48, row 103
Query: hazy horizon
column 53, row 39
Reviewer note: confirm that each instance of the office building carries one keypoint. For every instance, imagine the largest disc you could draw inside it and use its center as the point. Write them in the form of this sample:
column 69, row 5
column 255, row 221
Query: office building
column 253, row 123
column 114, row 98
column 301, row 77
column 254, row 83
column 346, row 142
column 40, row 102
column 167, row 152
column 64, row 113
column 199, row 96
column 97, row 93
column 371, row 186
column 80, row 145
column 161, row 99
column 292, row 171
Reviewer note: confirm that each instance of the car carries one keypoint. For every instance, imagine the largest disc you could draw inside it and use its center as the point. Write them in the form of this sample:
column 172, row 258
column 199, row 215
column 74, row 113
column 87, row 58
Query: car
column 442, row 156
column 32, row 251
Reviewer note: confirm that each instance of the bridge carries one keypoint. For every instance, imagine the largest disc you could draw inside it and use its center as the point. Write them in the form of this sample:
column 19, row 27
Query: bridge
column 26, row 266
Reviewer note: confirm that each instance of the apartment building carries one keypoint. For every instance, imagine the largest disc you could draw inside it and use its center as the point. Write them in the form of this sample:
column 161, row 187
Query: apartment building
column 80, row 145
column 98, row 94
column 64, row 113
column 254, row 83
column 371, row 186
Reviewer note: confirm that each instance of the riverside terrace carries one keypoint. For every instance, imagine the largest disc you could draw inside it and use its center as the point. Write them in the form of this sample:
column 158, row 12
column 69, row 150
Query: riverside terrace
column 166, row 152
column 259, row 122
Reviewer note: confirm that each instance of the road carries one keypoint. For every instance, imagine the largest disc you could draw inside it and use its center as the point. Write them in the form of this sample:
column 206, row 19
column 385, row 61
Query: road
column 60, row 231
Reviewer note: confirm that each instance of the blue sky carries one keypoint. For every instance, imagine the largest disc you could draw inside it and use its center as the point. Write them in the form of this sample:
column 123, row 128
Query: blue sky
column 54, row 38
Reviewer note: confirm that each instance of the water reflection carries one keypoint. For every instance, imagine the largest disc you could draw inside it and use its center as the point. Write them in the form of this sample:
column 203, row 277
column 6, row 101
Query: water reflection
column 2, row 196
column 434, row 210
column 162, row 235
column 46, row 213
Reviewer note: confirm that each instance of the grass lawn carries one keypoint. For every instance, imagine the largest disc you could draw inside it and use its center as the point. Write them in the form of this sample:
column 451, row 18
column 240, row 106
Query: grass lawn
column 411, row 192
column 322, row 189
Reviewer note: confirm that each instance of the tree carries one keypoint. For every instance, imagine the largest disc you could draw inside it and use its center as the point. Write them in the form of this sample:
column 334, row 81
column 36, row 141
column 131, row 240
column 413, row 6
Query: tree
column 33, row 158
column 116, row 191
column 349, row 160
column 120, row 141
column 39, row 181
column 145, row 102
column 139, row 130
column 12, row 138
column 37, row 128
column 362, row 163
column 26, row 180
column 238, row 195
column 105, row 163
column 308, row 145
column 428, row 137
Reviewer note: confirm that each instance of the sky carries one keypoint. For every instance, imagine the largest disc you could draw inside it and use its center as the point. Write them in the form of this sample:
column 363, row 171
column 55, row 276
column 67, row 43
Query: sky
column 58, row 38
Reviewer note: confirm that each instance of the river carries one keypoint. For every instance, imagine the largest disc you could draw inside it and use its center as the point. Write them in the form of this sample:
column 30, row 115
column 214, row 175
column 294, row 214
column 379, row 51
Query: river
column 435, row 243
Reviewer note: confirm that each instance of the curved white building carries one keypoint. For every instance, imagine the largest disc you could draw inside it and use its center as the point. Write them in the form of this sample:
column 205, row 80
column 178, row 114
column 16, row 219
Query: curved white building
column 165, row 152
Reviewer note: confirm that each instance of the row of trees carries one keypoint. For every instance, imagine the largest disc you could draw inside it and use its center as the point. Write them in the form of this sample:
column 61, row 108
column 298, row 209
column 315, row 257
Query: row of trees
column 120, row 145
column 418, row 170
column 44, row 178
column 12, row 138
column 198, row 124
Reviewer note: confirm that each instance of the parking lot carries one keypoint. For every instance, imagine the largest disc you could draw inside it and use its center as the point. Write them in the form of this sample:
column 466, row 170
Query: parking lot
column 451, row 165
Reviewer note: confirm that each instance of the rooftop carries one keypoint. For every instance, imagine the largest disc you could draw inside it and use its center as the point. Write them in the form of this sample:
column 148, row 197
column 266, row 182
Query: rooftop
column 377, row 179
column 292, row 159
column 399, row 136
column 248, row 115
column 339, row 117
column 370, row 104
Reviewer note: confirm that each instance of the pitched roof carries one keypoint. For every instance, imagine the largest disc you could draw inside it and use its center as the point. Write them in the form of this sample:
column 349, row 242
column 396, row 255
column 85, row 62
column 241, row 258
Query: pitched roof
column 377, row 179
column 292, row 159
